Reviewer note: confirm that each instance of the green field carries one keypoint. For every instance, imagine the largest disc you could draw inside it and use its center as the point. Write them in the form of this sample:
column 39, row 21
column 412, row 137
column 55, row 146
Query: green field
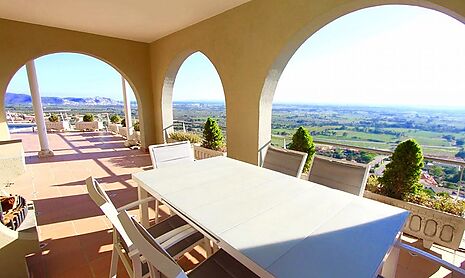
column 439, row 132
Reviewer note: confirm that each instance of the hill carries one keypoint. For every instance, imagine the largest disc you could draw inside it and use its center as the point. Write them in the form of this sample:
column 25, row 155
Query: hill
column 23, row 99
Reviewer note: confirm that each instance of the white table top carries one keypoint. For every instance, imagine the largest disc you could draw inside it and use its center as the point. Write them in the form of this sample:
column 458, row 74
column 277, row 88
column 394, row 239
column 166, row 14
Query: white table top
column 275, row 224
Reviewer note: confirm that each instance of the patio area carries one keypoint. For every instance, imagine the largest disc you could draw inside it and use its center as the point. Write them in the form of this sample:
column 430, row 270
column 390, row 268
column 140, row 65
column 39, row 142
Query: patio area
column 75, row 237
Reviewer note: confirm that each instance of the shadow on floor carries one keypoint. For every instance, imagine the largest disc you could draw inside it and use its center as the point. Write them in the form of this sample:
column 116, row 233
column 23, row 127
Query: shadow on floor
column 74, row 207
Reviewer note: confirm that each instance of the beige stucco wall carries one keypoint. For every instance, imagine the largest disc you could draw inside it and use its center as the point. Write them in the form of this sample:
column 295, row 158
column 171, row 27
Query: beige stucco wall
column 21, row 42
column 249, row 46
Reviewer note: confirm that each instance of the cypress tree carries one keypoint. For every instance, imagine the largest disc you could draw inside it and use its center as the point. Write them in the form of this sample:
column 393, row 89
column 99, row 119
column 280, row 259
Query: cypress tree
column 212, row 135
column 302, row 141
column 402, row 174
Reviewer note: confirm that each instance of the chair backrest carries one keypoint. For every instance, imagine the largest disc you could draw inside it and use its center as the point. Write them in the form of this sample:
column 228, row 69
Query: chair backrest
column 288, row 162
column 339, row 174
column 166, row 154
column 157, row 257
column 100, row 197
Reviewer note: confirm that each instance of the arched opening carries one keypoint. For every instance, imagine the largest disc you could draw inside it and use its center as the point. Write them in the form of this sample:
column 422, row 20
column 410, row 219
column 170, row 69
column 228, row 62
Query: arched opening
column 70, row 85
column 192, row 93
column 277, row 68
column 363, row 28
column 374, row 78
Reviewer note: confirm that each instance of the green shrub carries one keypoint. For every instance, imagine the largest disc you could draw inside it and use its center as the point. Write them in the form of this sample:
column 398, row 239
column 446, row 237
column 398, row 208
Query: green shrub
column 373, row 184
column 461, row 154
column 115, row 119
column 212, row 135
column 186, row 136
column 402, row 174
column 441, row 202
column 53, row 118
column 136, row 126
column 88, row 117
column 302, row 141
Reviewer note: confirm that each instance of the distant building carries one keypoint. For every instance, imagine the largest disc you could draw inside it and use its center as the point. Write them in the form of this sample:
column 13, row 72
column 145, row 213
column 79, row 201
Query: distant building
column 427, row 180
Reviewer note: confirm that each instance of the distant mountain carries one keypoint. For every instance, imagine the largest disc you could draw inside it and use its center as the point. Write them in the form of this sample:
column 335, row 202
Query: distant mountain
column 23, row 99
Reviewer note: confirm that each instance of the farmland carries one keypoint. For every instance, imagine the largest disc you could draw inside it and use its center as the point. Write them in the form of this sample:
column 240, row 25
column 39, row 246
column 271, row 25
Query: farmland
column 440, row 132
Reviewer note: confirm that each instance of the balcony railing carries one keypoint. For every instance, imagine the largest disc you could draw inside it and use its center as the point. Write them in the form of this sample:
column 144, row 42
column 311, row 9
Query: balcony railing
column 459, row 163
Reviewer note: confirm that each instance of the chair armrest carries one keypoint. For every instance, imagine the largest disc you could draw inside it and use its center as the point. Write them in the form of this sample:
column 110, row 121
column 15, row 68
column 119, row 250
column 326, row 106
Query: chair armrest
column 135, row 203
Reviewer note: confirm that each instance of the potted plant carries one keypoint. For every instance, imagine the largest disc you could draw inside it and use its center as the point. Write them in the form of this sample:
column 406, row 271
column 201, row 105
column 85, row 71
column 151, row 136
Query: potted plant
column 212, row 143
column 136, row 127
column 88, row 123
column 434, row 218
column 123, row 131
column 54, row 124
column 114, row 124
column 185, row 136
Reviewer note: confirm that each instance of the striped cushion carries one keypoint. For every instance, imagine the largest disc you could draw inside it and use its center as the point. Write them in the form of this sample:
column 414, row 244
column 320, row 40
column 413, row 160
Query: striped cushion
column 15, row 213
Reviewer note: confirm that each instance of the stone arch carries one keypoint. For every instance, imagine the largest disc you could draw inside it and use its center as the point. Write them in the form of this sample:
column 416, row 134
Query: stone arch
column 114, row 67
column 24, row 42
column 292, row 45
column 168, row 85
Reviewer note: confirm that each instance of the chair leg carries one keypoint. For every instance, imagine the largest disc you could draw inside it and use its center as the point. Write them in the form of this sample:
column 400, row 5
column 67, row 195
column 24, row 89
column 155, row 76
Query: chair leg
column 114, row 262
column 137, row 266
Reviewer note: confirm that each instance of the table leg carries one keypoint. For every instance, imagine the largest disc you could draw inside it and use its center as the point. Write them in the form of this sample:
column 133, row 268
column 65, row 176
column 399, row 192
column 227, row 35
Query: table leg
column 157, row 210
column 143, row 208
column 390, row 265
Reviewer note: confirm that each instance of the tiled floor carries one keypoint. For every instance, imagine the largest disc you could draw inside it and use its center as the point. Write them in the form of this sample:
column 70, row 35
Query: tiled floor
column 76, row 238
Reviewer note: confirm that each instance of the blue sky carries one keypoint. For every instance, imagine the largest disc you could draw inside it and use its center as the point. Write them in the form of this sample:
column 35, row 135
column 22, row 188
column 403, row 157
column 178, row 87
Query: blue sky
column 388, row 55
column 72, row 75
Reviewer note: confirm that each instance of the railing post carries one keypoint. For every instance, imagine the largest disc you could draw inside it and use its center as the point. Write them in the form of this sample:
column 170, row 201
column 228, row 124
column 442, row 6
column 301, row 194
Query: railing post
column 459, row 183
column 183, row 126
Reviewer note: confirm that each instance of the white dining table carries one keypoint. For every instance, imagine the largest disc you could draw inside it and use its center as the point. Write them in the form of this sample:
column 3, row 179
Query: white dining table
column 277, row 225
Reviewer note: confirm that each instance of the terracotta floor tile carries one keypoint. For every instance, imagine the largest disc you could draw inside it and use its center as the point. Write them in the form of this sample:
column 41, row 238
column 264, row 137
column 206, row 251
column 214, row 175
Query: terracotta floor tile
column 56, row 230
column 89, row 225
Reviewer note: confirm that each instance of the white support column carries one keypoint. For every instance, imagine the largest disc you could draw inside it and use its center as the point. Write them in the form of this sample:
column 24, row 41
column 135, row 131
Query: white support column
column 38, row 111
column 127, row 114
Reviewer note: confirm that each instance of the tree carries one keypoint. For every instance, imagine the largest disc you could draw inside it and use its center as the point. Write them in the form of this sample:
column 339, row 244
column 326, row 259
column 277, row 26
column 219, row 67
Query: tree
column 53, row 118
column 212, row 135
column 402, row 174
column 136, row 126
column 436, row 171
column 115, row 119
column 302, row 141
column 366, row 157
column 461, row 154
column 460, row 142
column 88, row 117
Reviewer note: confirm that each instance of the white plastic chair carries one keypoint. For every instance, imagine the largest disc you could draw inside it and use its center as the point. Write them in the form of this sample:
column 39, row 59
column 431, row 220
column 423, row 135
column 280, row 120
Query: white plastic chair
column 174, row 234
column 168, row 154
column 285, row 161
column 339, row 174
column 161, row 264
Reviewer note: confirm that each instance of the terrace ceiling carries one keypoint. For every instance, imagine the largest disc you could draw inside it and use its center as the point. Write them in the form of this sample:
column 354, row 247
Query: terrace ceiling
column 141, row 20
